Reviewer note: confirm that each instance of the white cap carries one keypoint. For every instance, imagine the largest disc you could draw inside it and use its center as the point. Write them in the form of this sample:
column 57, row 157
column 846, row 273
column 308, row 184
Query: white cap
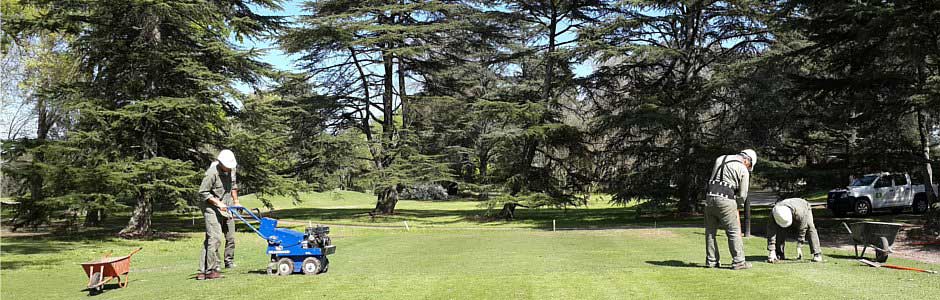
column 783, row 215
column 752, row 156
column 227, row 158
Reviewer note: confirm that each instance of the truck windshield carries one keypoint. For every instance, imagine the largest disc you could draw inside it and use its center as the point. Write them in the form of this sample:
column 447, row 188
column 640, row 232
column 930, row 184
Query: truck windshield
column 864, row 181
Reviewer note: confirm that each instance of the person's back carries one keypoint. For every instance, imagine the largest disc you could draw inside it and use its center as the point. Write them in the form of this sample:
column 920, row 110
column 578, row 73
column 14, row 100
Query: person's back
column 732, row 177
column 793, row 215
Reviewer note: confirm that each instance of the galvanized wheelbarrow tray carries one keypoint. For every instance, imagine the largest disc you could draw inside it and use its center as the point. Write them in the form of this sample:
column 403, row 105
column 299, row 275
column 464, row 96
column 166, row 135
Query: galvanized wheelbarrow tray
column 107, row 268
column 878, row 235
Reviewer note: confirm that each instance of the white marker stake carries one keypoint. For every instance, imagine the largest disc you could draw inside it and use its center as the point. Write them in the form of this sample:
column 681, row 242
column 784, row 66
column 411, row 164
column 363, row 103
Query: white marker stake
column 553, row 225
column 406, row 226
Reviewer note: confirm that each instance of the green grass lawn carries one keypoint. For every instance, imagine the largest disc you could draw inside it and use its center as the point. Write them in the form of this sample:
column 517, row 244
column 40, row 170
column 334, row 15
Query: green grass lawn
column 351, row 208
column 449, row 255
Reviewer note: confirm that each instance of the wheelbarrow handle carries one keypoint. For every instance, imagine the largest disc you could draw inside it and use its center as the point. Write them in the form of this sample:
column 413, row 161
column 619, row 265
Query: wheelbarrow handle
column 847, row 227
column 135, row 251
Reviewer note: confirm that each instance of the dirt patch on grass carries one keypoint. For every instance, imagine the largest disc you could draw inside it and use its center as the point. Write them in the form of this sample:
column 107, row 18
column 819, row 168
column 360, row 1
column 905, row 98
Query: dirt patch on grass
column 906, row 245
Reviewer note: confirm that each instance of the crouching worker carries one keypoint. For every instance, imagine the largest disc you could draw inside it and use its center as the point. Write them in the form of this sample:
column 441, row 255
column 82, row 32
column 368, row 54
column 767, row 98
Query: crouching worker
column 793, row 215
column 218, row 192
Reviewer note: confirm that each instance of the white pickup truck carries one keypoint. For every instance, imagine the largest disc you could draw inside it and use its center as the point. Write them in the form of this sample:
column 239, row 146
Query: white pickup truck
column 878, row 191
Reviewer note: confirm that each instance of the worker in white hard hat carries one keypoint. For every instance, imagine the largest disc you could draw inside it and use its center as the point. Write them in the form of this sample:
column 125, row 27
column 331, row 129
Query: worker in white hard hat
column 218, row 191
column 726, row 191
column 794, row 216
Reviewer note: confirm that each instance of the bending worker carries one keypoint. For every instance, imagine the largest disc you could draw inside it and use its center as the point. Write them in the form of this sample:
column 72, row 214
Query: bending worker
column 727, row 190
column 218, row 191
column 793, row 215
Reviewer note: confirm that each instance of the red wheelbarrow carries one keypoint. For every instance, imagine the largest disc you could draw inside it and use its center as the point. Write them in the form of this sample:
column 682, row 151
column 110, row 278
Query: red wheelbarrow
column 108, row 268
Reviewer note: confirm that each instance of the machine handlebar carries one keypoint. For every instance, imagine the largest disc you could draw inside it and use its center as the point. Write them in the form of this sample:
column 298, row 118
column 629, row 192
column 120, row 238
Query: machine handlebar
column 235, row 212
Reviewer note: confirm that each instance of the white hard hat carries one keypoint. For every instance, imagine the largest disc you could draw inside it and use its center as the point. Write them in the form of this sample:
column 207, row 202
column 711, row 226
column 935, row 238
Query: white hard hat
column 751, row 155
column 227, row 158
column 783, row 215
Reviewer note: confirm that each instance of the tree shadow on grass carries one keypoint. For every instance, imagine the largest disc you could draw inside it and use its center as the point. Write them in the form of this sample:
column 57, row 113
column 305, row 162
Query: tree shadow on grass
column 674, row 263
column 7, row 264
column 871, row 255
column 105, row 288
column 541, row 218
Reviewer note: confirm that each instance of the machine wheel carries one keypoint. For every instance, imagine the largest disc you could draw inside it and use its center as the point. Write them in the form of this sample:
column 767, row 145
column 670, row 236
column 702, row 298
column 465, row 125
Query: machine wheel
column 311, row 266
column 920, row 205
column 324, row 264
column 272, row 268
column 882, row 256
column 862, row 207
column 285, row 266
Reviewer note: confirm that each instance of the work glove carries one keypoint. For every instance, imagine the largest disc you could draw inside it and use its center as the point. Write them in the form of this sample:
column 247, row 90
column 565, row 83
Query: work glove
column 772, row 256
column 817, row 257
column 799, row 251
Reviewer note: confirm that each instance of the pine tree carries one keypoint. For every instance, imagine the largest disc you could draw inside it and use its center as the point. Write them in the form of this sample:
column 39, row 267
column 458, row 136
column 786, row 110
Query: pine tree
column 160, row 79
column 358, row 51
column 663, row 112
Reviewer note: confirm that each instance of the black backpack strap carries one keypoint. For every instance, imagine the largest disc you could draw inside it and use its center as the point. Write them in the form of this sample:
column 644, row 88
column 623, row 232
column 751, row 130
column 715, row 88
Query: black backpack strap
column 718, row 187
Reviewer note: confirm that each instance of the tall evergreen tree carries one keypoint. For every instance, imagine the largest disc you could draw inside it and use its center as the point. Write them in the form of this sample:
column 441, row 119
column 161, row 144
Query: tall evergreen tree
column 358, row 51
column 160, row 83
column 871, row 69
column 662, row 110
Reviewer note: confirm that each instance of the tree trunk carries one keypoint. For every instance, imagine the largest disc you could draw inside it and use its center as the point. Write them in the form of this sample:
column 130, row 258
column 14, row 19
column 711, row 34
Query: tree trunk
column 933, row 217
column 32, row 212
column 387, row 201
column 402, row 93
column 139, row 224
column 93, row 217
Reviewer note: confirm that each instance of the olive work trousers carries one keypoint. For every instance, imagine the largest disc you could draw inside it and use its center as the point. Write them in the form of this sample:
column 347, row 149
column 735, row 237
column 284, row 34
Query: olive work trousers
column 217, row 228
column 722, row 213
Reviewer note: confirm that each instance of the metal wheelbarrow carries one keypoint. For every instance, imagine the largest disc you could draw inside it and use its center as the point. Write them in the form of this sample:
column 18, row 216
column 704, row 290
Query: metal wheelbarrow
column 107, row 268
column 878, row 235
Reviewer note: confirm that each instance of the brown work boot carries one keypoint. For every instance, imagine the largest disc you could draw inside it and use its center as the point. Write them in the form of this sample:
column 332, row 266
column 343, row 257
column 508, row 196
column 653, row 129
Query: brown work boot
column 201, row 276
column 741, row 266
column 214, row 275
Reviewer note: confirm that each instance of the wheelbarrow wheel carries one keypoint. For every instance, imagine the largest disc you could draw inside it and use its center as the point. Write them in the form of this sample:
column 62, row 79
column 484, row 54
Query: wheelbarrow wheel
column 95, row 285
column 285, row 266
column 882, row 256
column 311, row 266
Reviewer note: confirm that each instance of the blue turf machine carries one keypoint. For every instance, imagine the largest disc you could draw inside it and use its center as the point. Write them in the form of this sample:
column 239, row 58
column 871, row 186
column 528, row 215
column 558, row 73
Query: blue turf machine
column 291, row 251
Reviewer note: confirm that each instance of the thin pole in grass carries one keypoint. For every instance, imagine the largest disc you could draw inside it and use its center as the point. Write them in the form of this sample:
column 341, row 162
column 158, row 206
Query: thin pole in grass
column 553, row 225
column 406, row 226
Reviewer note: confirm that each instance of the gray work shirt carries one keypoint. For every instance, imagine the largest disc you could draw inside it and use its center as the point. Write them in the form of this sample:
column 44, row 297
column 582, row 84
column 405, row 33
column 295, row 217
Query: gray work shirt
column 734, row 173
column 217, row 184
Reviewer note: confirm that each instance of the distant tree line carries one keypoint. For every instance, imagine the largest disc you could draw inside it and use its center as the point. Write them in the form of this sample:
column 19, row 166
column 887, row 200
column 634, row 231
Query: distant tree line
column 488, row 100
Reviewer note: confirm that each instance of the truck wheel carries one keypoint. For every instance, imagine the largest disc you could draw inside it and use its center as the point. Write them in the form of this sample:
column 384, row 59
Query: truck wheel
column 920, row 204
column 285, row 266
column 311, row 266
column 862, row 207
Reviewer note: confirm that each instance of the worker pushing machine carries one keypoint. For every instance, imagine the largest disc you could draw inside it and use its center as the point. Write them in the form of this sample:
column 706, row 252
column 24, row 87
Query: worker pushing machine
column 727, row 190
column 218, row 191
column 793, row 215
